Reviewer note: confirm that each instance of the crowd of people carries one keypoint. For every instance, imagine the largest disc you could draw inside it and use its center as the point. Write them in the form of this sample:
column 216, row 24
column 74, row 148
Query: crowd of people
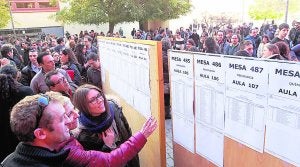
column 245, row 40
column 54, row 112
column 49, row 85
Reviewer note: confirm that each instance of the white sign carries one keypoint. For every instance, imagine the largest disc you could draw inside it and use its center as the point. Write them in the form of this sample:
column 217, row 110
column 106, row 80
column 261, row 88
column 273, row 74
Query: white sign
column 209, row 105
column 246, row 101
column 129, row 69
column 247, row 75
column 283, row 117
column 285, row 80
column 181, row 64
column 182, row 97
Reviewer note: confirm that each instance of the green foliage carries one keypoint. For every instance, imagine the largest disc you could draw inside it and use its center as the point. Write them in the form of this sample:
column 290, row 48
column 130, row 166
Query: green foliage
column 160, row 9
column 52, row 3
column 4, row 13
column 119, row 11
column 272, row 9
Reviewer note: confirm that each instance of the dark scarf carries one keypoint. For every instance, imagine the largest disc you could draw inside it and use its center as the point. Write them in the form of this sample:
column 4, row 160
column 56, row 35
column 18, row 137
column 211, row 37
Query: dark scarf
column 99, row 123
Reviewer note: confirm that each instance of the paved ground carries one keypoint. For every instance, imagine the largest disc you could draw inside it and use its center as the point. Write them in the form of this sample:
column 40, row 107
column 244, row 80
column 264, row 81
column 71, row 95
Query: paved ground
column 169, row 144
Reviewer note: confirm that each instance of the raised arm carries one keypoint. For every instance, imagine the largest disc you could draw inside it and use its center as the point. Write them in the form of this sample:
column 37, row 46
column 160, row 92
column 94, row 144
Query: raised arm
column 118, row 157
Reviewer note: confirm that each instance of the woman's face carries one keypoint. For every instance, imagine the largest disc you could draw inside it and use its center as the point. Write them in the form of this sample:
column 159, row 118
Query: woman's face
column 265, row 40
column 73, row 115
column 84, row 49
column 56, row 57
column 96, row 103
column 64, row 58
column 266, row 52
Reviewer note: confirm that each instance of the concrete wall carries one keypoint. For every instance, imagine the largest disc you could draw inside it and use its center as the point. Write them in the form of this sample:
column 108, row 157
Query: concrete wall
column 76, row 28
column 27, row 20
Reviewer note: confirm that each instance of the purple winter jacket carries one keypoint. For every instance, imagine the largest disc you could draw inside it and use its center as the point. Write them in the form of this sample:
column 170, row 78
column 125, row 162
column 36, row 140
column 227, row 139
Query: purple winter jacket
column 116, row 158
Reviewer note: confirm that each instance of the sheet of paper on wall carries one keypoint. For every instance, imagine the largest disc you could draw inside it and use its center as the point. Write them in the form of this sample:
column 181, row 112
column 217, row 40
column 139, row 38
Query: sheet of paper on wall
column 142, row 103
column 209, row 107
column 128, row 67
column 210, row 143
column 181, row 80
column 246, row 101
column 283, row 117
column 144, row 68
column 182, row 112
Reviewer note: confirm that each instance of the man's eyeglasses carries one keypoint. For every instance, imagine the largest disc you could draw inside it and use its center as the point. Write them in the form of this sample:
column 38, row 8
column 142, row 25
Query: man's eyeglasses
column 60, row 80
column 95, row 99
column 43, row 102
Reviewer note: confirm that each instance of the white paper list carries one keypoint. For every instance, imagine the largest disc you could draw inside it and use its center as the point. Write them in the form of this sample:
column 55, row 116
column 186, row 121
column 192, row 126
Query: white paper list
column 246, row 101
column 182, row 95
column 209, row 106
column 283, row 117
column 129, row 69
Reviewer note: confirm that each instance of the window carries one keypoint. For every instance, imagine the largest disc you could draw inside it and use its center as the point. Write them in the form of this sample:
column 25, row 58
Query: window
column 33, row 6
column 25, row 5
column 46, row 5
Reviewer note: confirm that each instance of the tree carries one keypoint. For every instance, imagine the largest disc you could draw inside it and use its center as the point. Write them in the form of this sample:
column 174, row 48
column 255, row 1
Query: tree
column 217, row 20
column 4, row 13
column 96, row 12
column 160, row 9
column 271, row 9
column 119, row 11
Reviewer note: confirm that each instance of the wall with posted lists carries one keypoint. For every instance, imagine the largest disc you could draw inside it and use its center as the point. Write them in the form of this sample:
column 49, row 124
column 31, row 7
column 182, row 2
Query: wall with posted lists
column 234, row 111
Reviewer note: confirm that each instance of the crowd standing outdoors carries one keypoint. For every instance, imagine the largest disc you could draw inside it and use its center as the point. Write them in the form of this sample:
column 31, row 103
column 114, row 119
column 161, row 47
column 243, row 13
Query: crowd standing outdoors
column 40, row 83
column 33, row 69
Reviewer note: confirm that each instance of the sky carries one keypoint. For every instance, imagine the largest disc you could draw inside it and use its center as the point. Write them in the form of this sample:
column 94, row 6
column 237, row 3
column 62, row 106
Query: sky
column 215, row 6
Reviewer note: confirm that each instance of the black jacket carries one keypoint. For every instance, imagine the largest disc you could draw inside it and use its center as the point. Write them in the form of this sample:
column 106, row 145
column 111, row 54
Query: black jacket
column 27, row 155
column 27, row 74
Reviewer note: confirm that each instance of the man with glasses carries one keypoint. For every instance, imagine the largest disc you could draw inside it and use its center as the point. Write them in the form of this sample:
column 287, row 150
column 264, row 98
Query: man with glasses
column 58, row 83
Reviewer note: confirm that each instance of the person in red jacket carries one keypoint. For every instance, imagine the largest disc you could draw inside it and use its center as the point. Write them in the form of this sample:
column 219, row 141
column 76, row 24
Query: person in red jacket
column 118, row 157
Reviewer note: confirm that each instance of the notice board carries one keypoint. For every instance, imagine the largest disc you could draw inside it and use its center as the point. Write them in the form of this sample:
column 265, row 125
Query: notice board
column 132, row 72
column 241, row 112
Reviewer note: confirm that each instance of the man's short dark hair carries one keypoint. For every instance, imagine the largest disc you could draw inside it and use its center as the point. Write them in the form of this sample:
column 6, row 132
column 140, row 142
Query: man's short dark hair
column 32, row 50
column 92, row 56
column 242, row 53
column 5, row 49
column 161, row 31
column 41, row 55
column 9, row 70
column 48, row 76
column 60, row 40
column 246, row 43
column 88, row 38
column 283, row 25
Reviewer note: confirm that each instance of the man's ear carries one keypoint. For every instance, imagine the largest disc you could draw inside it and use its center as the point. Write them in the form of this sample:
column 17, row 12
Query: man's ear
column 40, row 133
